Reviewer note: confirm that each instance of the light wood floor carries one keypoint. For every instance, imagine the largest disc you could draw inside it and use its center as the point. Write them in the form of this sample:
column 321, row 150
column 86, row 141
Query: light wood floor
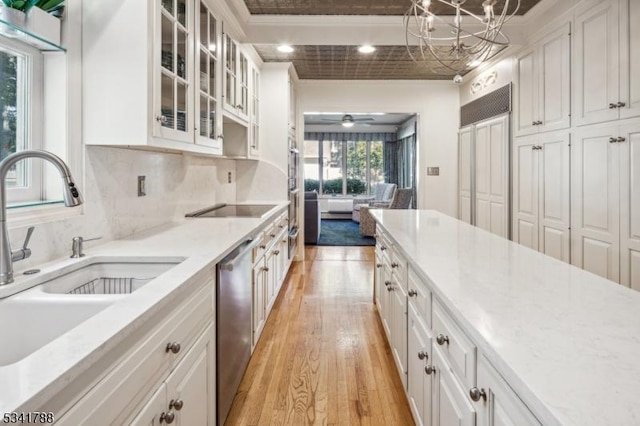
column 322, row 358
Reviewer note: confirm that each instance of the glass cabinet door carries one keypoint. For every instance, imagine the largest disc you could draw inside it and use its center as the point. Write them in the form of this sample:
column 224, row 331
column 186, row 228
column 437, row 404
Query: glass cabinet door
column 231, row 66
column 207, row 57
column 243, row 104
column 255, row 111
column 173, row 109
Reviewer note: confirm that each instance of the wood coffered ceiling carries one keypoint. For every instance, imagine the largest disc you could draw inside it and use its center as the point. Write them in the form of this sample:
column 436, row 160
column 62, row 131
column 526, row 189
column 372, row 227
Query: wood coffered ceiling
column 363, row 7
column 318, row 60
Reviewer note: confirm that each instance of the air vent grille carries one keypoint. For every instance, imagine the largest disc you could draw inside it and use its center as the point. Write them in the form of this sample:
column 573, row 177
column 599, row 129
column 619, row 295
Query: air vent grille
column 490, row 105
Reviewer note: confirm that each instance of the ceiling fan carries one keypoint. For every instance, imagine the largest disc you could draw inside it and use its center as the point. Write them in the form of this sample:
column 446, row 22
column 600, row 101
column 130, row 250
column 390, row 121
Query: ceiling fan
column 348, row 120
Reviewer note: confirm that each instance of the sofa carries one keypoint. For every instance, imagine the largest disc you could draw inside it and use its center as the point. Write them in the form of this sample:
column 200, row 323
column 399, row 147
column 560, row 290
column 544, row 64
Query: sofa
column 311, row 218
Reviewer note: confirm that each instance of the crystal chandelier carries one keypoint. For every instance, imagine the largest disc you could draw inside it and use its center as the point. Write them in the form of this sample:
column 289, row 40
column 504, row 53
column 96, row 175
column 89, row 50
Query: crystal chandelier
column 464, row 48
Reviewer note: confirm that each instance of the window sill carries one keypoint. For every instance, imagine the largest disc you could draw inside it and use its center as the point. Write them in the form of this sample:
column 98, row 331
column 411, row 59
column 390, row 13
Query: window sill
column 42, row 213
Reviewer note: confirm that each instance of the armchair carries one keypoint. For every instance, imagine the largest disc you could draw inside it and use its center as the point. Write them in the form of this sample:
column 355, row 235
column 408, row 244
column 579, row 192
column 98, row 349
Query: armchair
column 401, row 200
column 382, row 198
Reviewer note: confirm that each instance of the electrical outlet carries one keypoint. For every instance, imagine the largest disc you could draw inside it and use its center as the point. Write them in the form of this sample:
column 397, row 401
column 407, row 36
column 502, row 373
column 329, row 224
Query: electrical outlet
column 142, row 186
column 229, row 177
column 433, row 171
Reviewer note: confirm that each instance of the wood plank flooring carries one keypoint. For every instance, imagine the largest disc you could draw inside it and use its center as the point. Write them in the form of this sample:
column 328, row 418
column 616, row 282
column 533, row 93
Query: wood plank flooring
column 323, row 358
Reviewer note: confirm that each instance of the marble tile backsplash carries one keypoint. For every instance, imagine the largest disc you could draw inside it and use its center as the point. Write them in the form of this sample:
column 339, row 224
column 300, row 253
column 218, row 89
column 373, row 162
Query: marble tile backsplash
column 175, row 184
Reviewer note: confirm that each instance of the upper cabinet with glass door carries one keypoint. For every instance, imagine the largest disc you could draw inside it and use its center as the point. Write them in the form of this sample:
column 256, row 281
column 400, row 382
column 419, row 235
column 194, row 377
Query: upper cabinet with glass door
column 156, row 85
column 236, row 81
column 254, row 134
column 208, row 55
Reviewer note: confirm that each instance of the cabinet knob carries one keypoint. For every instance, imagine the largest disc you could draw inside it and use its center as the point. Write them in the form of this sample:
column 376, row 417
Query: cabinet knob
column 613, row 140
column 161, row 119
column 167, row 418
column 173, row 347
column 412, row 293
column 423, row 355
column 262, row 246
column 476, row 394
column 176, row 404
column 387, row 283
column 539, row 123
column 394, row 265
column 272, row 235
column 277, row 252
column 442, row 339
column 621, row 139
column 265, row 269
column 621, row 105
column 390, row 288
column 613, row 106
column 383, row 248
column 534, row 123
column 430, row 369
column 378, row 265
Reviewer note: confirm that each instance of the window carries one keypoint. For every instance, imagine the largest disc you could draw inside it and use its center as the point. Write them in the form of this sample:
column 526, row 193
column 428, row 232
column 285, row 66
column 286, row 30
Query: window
column 21, row 76
column 343, row 168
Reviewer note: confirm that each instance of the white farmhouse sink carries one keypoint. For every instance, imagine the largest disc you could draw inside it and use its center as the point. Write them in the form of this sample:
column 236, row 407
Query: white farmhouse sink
column 63, row 298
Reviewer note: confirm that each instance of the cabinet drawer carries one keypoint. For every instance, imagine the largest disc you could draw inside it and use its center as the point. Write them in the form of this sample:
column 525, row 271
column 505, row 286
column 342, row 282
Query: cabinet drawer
column 419, row 296
column 399, row 267
column 137, row 373
column 459, row 351
column 383, row 246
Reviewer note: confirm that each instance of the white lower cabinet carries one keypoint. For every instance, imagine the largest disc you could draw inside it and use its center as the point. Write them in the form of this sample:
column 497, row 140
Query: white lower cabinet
column 451, row 405
column 495, row 401
column 174, row 361
column 259, row 304
column 419, row 381
column 186, row 391
column 398, row 320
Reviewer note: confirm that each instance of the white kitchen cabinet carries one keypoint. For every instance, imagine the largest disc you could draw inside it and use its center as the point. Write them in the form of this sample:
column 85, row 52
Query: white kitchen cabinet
column 605, row 199
column 541, row 193
column 542, row 89
column 386, row 299
column 254, row 133
column 208, row 48
column 398, row 327
column 465, row 181
column 139, row 385
column 491, row 204
column 606, row 52
column 495, row 401
column 184, row 398
column 291, row 108
column 451, row 406
column 259, row 302
column 419, row 383
column 236, row 80
column 152, row 86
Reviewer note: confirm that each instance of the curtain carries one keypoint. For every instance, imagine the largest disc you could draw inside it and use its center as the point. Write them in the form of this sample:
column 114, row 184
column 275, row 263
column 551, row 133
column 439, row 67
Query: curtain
column 349, row 137
column 400, row 164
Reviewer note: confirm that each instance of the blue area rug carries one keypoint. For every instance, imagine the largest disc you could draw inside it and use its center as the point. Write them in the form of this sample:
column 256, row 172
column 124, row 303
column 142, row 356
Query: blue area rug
column 338, row 232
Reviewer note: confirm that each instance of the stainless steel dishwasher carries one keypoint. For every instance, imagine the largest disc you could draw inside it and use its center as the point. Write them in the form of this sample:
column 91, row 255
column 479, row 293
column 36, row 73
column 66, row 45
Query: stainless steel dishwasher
column 233, row 325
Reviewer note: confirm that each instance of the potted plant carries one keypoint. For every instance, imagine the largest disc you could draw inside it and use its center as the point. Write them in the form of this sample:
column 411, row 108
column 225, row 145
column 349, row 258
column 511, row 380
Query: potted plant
column 14, row 11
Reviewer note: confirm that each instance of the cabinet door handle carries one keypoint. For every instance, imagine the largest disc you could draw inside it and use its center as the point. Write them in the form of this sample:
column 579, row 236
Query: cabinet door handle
column 621, row 105
column 387, row 283
column 613, row 140
column 378, row 265
column 412, row 293
column 173, row 347
column 176, row 404
column 613, row 106
column 535, row 123
column 423, row 355
column 430, row 369
column 442, row 339
column 161, row 119
column 277, row 252
column 390, row 288
column 167, row 418
column 476, row 394
column 621, row 139
column 383, row 248
column 394, row 265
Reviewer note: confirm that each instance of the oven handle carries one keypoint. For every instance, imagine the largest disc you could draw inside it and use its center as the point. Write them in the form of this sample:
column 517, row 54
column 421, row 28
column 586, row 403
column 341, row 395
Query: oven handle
column 228, row 265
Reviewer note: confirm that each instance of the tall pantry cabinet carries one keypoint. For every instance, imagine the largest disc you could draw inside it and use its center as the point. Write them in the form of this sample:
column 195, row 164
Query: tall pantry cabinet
column 605, row 170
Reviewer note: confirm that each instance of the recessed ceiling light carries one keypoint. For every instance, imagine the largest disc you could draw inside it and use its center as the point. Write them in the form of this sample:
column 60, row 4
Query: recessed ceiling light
column 366, row 49
column 285, row 48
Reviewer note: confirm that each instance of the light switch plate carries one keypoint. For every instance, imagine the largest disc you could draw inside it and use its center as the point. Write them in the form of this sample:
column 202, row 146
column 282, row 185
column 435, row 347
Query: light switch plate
column 433, row 171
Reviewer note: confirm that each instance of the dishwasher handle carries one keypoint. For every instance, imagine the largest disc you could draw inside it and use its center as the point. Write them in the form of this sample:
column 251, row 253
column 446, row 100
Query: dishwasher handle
column 229, row 262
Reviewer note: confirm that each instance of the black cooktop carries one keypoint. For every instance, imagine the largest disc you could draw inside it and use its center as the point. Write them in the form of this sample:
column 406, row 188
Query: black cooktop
column 233, row 210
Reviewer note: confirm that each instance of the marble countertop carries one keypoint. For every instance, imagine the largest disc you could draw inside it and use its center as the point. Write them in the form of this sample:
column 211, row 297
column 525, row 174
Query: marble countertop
column 201, row 242
column 567, row 341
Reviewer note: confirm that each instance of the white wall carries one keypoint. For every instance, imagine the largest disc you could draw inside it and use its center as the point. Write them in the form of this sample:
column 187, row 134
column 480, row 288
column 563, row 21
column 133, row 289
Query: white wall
column 437, row 104
column 176, row 184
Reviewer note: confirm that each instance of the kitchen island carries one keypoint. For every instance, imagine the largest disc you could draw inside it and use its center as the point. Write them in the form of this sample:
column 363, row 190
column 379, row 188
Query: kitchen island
column 564, row 341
